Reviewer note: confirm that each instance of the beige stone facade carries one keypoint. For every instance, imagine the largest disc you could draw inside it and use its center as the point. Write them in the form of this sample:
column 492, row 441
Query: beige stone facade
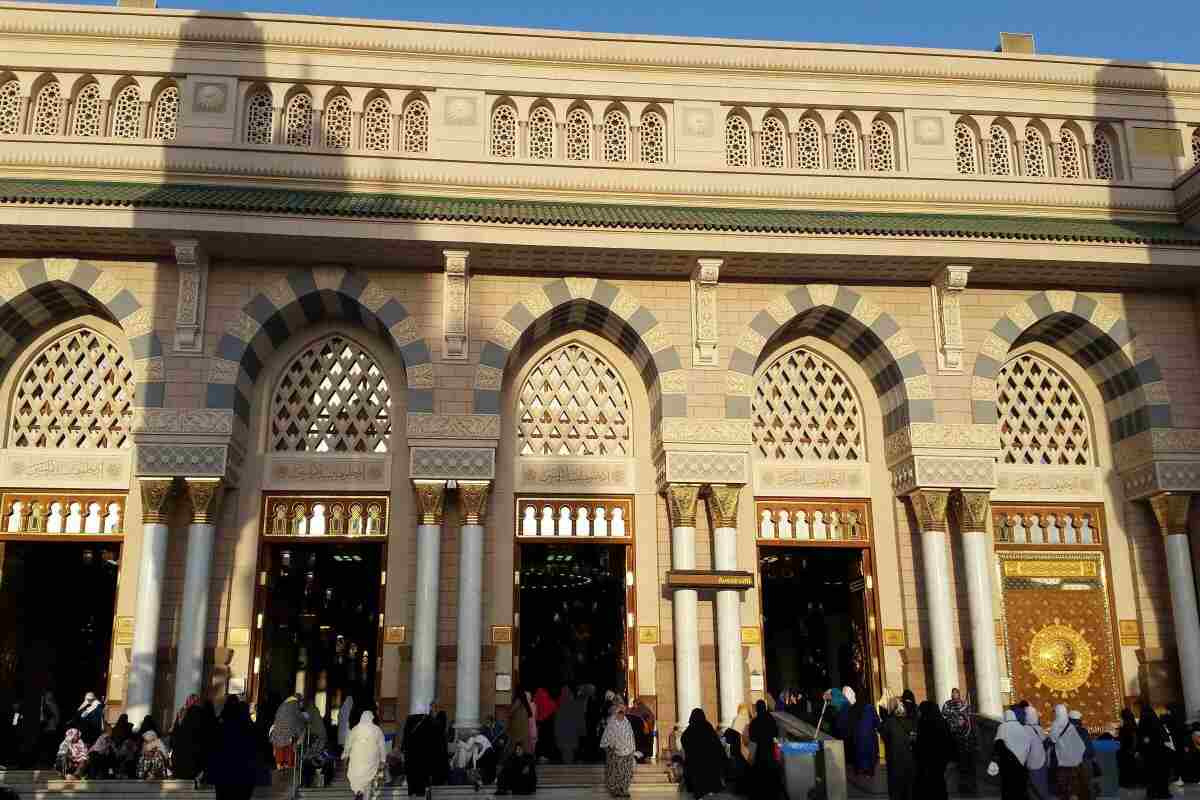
column 461, row 203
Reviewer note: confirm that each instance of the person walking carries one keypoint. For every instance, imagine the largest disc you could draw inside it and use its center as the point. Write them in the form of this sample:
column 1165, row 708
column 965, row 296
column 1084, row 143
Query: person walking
column 897, row 731
column 619, row 747
column 1037, row 762
column 765, row 780
column 960, row 717
column 423, row 744
column 1070, row 781
column 366, row 753
column 289, row 727
column 570, row 723
column 233, row 768
column 703, row 756
column 1156, row 754
column 932, row 751
column 189, row 741
column 863, row 723
column 1010, row 752
column 1128, row 774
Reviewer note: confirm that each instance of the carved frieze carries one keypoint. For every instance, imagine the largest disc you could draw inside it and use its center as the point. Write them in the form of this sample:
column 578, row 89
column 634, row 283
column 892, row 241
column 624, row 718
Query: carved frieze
column 215, row 421
column 936, row 436
column 950, row 472
column 811, row 480
column 65, row 469
column 456, row 299
column 705, row 431
column 1161, row 476
column 183, row 460
column 192, row 264
column 575, row 475
column 329, row 471
column 453, row 426
column 704, row 466
column 452, row 463
column 704, row 312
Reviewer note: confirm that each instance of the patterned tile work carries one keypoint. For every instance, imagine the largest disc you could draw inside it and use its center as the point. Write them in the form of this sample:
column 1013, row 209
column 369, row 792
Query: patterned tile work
column 855, row 324
column 1099, row 339
column 593, row 305
column 300, row 299
column 47, row 290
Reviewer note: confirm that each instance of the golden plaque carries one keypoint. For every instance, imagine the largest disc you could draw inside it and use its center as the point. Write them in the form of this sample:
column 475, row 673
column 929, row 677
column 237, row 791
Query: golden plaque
column 1051, row 569
column 502, row 634
column 1060, row 658
column 123, row 631
column 893, row 637
column 239, row 637
column 648, row 634
column 1131, row 634
column 750, row 635
column 395, row 634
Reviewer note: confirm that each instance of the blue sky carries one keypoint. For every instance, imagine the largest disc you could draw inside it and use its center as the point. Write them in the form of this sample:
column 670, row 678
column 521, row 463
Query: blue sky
column 1162, row 31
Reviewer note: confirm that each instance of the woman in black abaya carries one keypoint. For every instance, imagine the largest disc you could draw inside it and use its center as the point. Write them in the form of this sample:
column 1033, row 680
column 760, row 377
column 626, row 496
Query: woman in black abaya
column 931, row 752
column 765, row 781
column 704, row 756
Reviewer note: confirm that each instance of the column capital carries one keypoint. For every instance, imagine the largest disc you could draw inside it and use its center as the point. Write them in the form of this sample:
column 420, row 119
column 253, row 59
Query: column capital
column 431, row 501
column 723, row 504
column 205, row 495
column 473, row 495
column 1171, row 511
column 156, row 499
column 930, row 506
column 681, row 503
column 974, row 507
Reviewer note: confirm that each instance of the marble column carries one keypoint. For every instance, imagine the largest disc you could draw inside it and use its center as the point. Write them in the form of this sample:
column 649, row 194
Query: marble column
column 473, row 497
column 977, row 558
column 1171, row 511
column 930, row 507
column 681, row 502
column 431, row 500
column 193, row 623
column 723, row 508
column 156, row 505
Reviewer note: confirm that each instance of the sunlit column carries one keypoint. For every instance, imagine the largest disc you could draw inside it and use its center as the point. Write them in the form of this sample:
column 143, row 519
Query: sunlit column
column 681, row 501
column 473, row 497
column 977, row 558
column 431, row 500
column 193, row 622
column 930, row 508
column 156, row 501
column 723, row 508
column 1171, row 511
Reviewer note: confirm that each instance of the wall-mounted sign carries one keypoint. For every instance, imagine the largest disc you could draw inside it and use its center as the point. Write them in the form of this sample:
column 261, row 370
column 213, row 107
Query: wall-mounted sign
column 503, row 682
column 239, row 637
column 1131, row 634
column 709, row 579
column 648, row 634
column 502, row 634
column 893, row 637
column 123, row 631
column 751, row 635
column 395, row 634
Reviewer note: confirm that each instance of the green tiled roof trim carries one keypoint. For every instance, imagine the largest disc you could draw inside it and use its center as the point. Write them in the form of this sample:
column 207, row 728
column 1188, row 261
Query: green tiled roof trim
column 415, row 208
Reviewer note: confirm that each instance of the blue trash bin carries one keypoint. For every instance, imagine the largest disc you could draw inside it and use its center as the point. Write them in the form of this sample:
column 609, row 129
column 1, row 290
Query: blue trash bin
column 800, row 767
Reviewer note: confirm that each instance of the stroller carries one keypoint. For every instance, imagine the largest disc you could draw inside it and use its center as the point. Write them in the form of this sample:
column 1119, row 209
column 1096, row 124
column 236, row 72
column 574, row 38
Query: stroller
column 474, row 762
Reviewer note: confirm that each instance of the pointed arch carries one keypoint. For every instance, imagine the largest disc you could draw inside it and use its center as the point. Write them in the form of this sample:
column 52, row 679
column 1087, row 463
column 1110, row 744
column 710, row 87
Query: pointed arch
column 653, row 136
column 125, row 116
column 737, row 139
column 966, row 147
column 10, row 105
column 304, row 297
column 855, row 324
column 336, row 125
column 49, row 104
column 164, row 114
column 48, row 290
column 596, row 306
column 414, row 124
column 1070, row 152
column 542, row 132
column 1098, row 338
column 502, row 141
column 1000, row 148
column 773, row 151
column 810, row 143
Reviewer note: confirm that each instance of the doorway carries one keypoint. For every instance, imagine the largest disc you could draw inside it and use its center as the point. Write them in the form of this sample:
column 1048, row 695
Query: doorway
column 571, row 604
column 57, row 601
column 815, row 608
column 320, row 636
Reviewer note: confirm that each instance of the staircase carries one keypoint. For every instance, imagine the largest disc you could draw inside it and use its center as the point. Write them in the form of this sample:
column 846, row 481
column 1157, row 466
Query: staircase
column 46, row 783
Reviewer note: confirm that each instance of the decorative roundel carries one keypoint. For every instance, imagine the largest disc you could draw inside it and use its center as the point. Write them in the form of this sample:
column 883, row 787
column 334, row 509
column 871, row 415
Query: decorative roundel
column 1060, row 658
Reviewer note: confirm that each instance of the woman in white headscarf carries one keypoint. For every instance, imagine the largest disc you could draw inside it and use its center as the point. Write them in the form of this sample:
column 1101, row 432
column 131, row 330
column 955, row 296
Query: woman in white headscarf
column 1039, row 771
column 367, row 753
column 1070, row 777
column 1010, row 753
column 617, row 742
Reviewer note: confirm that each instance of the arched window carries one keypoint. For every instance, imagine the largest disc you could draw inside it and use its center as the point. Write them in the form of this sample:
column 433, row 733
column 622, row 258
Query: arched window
column 737, row 141
column 47, row 111
column 298, row 121
column 1043, row 421
column 774, row 141
column 78, row 392
column 504, row 131
column 164, row 121
column 805, row 409
column 1034, row 162
column 653, row 137
column 415, row 121
column 10, row 107
column 966, row 149
column 810, row 145
column 260, row 118
column 573, row 403
column 541, row 134
column 999, row 151
column 845, row 145
column 127, row 113
column 882, row 146
column 332, row 398
column 336, row 123
column 1104, row 155
column 579, row 135
column 85, row 120
column 377, row 125
column 616, row 136
column 1070, row 155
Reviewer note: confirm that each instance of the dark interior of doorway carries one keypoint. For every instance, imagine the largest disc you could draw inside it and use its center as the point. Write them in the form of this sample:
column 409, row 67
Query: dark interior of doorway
column 57, row 601
column 813, row 621
column 572, row 606
column 320, row 635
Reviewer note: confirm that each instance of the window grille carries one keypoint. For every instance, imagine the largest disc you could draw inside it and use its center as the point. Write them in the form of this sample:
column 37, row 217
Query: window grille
column 805, row 409
column 10, row 107
column 579, row 136
column 298, row 121
column 85, row 121
column 653, row 138
column 845, row 146
column 377, row 125
column 1070, row 155
column 774, row 144
column 416, row 126
column 541, row 134
column 166, row 114
column 616, row 136
column 810, row 145
column 127, row 113
column 966, row 149
column 504, row 131
column 1000, row 155
column 1104, row 163
column 737, row 141
column 337, row 123
column 883, row 147
column 259, row 118
column 1035, row 153
column 1043, row 421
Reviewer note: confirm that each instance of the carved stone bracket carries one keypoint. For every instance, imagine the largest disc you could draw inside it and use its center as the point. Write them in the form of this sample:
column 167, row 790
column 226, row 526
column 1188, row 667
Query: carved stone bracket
column 703, row 466
column 930, row 506
column 704, row 312
column 723, row 505
column 681, row 503
column 473, row 496
column 431, row 502
column 181, row 459
column 939, row 471
column 1171, row 511
column 947, row 317
column 205, row 495
column 453, row 463
column 973, row 510
column 456, row 301
column 192, row 264
column 156, row 499
column 1161, row 476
